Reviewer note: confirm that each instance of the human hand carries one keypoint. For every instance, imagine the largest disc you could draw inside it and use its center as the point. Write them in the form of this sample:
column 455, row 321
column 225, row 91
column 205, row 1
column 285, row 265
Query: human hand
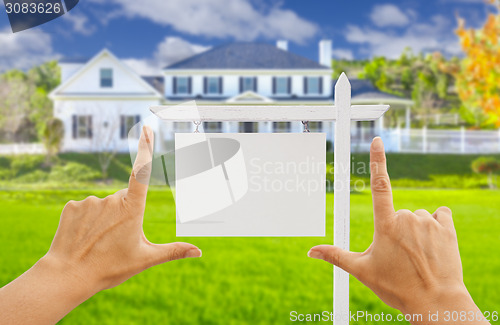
column 101, row 241
column 413, row 263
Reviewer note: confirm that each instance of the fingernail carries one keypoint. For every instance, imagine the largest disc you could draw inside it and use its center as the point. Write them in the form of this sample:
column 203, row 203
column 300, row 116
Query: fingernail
column 316, row 254
column 194, row 252
column 377, row 144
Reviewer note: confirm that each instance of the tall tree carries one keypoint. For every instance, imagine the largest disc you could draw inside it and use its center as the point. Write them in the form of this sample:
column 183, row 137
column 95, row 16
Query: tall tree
column 478, row 79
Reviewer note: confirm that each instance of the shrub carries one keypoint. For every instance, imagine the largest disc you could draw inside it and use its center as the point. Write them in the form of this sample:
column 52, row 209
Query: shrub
column 24, row 164
column 73, row 172
column 36, row 176
column 488, row 166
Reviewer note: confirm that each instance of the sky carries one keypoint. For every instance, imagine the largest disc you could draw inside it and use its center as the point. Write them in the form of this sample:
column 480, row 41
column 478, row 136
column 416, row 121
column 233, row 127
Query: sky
column 150, row 34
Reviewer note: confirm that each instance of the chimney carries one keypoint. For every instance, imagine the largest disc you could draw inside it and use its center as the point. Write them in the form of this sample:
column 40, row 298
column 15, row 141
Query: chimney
column 325, row 52
column 282, row 45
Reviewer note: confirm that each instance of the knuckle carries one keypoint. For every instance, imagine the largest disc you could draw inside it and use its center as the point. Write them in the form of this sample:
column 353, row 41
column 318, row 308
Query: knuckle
column 70, row 206
column 381, row 184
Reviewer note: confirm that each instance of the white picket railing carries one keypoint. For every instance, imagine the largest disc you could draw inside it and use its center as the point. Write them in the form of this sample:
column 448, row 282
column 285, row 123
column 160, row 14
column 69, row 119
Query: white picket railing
column 396, row 140
column 22, row 148
column 423, row 140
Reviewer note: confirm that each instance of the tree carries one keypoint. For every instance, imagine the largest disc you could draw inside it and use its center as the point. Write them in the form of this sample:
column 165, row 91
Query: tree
column 488, row 166
column 15, row 90
column 478, row 79
column 53, row 134
column 24, row 99
column 416, row 76
column 105, row 138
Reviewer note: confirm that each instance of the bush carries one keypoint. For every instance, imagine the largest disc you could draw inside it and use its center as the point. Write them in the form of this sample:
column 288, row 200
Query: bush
column 488, row 166
column 5, row 174
column 34, row 177
column 73, row 172
column 24, row 164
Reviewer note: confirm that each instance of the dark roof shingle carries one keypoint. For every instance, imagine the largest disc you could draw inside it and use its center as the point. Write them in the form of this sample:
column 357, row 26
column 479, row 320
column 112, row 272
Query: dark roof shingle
column 246, row 56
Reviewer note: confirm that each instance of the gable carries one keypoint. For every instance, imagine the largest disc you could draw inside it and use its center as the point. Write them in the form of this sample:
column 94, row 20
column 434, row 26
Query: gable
column 249, row 97
column 87, row 80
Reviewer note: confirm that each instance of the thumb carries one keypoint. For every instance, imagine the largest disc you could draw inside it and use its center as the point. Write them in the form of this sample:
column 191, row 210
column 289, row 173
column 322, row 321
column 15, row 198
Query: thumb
column 347, row 261
column 162, row 253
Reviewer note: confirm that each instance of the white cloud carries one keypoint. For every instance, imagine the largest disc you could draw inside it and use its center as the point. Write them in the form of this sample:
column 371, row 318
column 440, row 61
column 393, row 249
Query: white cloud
column 80, row 23
column 170, row 50
column 237, row 19
column 388, row 15
column 342, row 54
column 437, row 35
column 25, row 49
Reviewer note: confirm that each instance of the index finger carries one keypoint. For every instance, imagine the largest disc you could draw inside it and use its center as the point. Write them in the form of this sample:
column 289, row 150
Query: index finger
column 379, row 181
column 141, row 172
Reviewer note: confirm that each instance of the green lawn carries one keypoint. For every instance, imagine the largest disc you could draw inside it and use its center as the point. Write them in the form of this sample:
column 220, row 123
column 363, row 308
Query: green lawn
column 244, row 280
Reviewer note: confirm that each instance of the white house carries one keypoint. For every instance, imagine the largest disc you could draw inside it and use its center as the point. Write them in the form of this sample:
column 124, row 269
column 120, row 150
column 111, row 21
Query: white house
column 98, row 101
column 101, row 98
column 251, row 73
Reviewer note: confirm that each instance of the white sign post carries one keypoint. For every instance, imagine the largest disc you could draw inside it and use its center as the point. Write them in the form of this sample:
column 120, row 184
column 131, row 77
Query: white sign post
column 343, row 113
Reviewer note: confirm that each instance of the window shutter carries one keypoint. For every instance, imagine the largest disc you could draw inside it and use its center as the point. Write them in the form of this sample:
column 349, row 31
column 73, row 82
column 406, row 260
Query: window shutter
column 320, row 85
column 220, row 86
column 122, row 127
column 241, row 85
column 255, row 84
column 289, row 85
column 74, row 125
column 89, row 126
column 189, row 85
column 204, row 85
column 274, row 85
column 305, row 85
column 174, row 85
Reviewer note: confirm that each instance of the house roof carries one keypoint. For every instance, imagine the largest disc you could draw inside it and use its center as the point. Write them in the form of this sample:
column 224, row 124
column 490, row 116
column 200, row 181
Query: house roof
column 79, row 59
column 157, row 82
column 58, row 91
column 246, row 56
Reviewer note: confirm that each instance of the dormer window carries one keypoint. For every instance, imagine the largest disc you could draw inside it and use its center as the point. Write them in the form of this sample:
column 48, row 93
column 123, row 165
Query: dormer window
column 106, row 78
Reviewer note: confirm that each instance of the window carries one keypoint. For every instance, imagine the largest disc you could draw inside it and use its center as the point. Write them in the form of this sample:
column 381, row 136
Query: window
column 183, row 127
column 249, row 127
column 214, row 127
column 212, row 85
column 182, row 85
column 281, row 126
column 281, row 85
column 82, row 126
column 315, row 126
column 126, row 124
column 106, row 78
column 248, row 83
column 313, row 85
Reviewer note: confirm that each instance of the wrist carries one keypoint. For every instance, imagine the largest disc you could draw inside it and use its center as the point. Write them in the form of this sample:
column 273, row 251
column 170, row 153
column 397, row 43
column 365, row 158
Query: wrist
column 454, row 298
column 66, row 275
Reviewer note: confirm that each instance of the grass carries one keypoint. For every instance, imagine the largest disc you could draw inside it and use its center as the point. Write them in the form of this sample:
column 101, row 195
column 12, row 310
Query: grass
column 244, row 280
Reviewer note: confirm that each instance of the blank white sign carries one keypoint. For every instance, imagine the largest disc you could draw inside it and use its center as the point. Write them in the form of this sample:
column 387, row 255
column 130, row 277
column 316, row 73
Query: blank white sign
column 251, row 184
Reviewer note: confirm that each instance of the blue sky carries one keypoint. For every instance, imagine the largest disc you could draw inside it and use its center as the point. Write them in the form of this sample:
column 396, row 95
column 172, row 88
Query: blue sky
column 149, row 34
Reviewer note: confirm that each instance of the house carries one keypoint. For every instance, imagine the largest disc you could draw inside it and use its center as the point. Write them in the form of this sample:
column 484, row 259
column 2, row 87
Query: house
column 251, row 74
column 99, row 100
